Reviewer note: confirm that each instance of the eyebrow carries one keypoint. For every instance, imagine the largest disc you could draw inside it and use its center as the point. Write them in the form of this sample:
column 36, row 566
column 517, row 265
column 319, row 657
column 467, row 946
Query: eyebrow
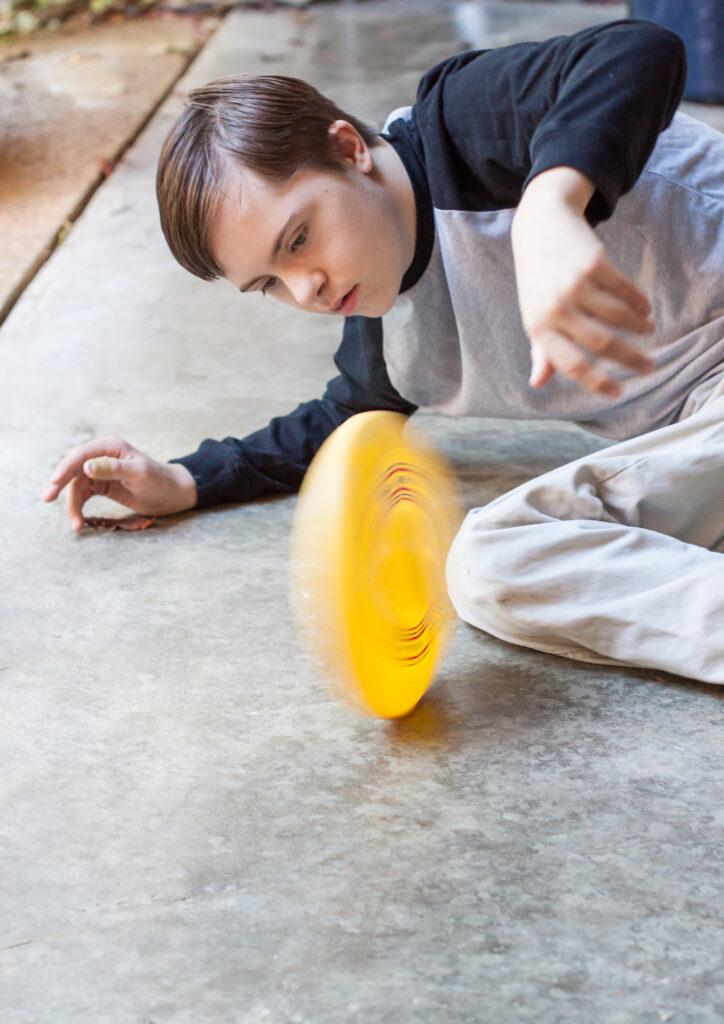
column 275, row 252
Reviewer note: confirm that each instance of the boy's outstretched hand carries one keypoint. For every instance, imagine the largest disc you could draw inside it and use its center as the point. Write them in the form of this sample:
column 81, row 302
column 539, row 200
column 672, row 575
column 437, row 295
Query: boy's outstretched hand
column 574, row 303
column 115, row 469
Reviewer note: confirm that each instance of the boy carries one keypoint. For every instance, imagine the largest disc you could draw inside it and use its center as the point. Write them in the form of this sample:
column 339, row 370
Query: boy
column 459, row 247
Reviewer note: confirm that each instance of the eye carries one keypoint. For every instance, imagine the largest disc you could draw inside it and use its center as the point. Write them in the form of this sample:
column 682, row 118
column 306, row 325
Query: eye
column 299, row 241
column 268, row 285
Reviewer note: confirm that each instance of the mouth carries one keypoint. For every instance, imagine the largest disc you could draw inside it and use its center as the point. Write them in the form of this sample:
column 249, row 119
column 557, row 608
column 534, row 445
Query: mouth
column 348, row 302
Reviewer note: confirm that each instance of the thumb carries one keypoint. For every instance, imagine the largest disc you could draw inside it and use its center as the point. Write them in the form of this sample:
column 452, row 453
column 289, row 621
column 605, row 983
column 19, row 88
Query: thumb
column 107, row 468
column 541, row 369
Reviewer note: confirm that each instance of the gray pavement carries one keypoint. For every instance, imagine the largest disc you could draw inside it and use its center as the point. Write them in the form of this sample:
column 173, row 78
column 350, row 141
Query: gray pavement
column 192, row 829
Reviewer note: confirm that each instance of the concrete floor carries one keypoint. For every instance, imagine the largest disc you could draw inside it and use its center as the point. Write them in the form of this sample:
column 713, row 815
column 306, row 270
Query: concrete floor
column 192, row 829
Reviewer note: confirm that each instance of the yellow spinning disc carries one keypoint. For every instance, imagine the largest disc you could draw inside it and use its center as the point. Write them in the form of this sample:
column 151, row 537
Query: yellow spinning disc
column 374, row 522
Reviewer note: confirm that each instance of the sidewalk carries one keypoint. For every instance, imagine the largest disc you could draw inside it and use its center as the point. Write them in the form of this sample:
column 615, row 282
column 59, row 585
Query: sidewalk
column 71, row 103
column 193, row 830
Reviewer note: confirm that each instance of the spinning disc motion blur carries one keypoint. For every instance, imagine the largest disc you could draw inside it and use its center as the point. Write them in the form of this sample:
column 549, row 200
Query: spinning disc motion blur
column 375, row 519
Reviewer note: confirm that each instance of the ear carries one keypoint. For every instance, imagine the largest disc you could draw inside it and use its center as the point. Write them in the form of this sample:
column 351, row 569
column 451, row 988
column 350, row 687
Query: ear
column 351, row 148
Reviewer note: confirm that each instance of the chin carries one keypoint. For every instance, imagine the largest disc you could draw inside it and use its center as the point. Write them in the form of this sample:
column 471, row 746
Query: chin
column 381, row 305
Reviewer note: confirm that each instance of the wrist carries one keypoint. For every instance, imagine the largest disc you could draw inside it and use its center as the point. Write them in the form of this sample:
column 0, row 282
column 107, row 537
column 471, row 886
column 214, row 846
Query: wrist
column 185, row 482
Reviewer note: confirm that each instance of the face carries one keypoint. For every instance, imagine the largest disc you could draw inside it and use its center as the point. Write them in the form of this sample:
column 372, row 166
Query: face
column 324, row 242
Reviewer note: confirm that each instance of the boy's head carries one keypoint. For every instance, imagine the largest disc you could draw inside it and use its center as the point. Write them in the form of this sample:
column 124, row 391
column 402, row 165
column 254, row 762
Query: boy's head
column 264, row 181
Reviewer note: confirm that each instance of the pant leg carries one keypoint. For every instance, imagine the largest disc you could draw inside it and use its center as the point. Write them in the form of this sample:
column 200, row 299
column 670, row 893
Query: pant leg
column 613, row 559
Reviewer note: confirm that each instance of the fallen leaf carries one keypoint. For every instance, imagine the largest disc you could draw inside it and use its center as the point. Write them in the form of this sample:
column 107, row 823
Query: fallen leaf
column 18, row 55
column 136, row 522
column 64, row 229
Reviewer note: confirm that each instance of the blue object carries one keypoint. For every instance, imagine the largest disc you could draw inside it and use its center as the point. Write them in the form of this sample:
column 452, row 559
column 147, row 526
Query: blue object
column 700, row 23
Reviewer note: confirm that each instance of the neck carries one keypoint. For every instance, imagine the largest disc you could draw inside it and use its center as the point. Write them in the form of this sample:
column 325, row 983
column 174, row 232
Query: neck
column 396, row 181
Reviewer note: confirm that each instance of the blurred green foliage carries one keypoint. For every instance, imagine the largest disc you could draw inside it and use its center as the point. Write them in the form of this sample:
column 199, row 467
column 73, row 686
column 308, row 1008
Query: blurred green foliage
column 22, row 17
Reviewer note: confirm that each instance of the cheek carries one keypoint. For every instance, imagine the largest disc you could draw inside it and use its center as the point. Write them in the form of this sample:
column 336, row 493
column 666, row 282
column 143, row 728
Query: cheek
column 384, row 247
column 364, row 247
column 359, row 232
column 287, row 298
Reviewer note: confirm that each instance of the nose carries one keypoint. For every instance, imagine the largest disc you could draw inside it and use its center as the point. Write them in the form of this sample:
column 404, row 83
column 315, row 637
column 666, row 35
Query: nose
column 306, row 286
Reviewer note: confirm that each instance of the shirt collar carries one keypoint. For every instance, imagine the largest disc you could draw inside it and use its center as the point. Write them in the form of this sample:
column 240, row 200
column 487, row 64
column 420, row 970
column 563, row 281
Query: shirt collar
column 402, row 134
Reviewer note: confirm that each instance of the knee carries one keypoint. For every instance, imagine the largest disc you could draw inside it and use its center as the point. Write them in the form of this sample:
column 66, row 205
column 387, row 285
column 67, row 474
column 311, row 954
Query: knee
column 485, row 572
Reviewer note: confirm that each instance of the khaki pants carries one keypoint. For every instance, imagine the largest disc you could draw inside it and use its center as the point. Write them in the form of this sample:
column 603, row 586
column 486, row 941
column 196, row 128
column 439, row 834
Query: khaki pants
column 614, row 559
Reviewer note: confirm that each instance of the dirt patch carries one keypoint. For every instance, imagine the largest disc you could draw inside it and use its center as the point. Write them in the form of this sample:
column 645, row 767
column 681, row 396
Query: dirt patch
column 71, row 102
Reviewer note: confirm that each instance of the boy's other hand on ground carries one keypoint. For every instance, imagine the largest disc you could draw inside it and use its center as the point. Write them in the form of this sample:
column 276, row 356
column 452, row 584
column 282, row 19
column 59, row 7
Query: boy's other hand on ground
column 115, row 469
column 574, row 303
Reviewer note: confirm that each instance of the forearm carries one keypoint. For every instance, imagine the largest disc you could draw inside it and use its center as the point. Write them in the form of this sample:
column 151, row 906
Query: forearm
column 555, row 189
column 274, row 459
column 552, row 242
column 552, row 208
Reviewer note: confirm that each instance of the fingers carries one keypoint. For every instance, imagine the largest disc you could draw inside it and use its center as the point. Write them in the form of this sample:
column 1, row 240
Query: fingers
column 541, row 368
column 83, row 487
column 71, row 465
column 585, row 331
column 614, row 311
column 607, row 276
column 79, row 491
column 91, row 469
column 577, row 354
column 571, row 360
column 604, row 344
column 104, row 468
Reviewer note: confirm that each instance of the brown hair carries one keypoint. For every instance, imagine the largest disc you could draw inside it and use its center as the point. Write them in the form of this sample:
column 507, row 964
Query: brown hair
column 271, row 124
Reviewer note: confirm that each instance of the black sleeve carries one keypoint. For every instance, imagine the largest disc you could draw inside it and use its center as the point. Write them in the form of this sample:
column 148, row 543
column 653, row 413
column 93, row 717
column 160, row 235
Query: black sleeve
column 273, row 460
column 595, row 101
